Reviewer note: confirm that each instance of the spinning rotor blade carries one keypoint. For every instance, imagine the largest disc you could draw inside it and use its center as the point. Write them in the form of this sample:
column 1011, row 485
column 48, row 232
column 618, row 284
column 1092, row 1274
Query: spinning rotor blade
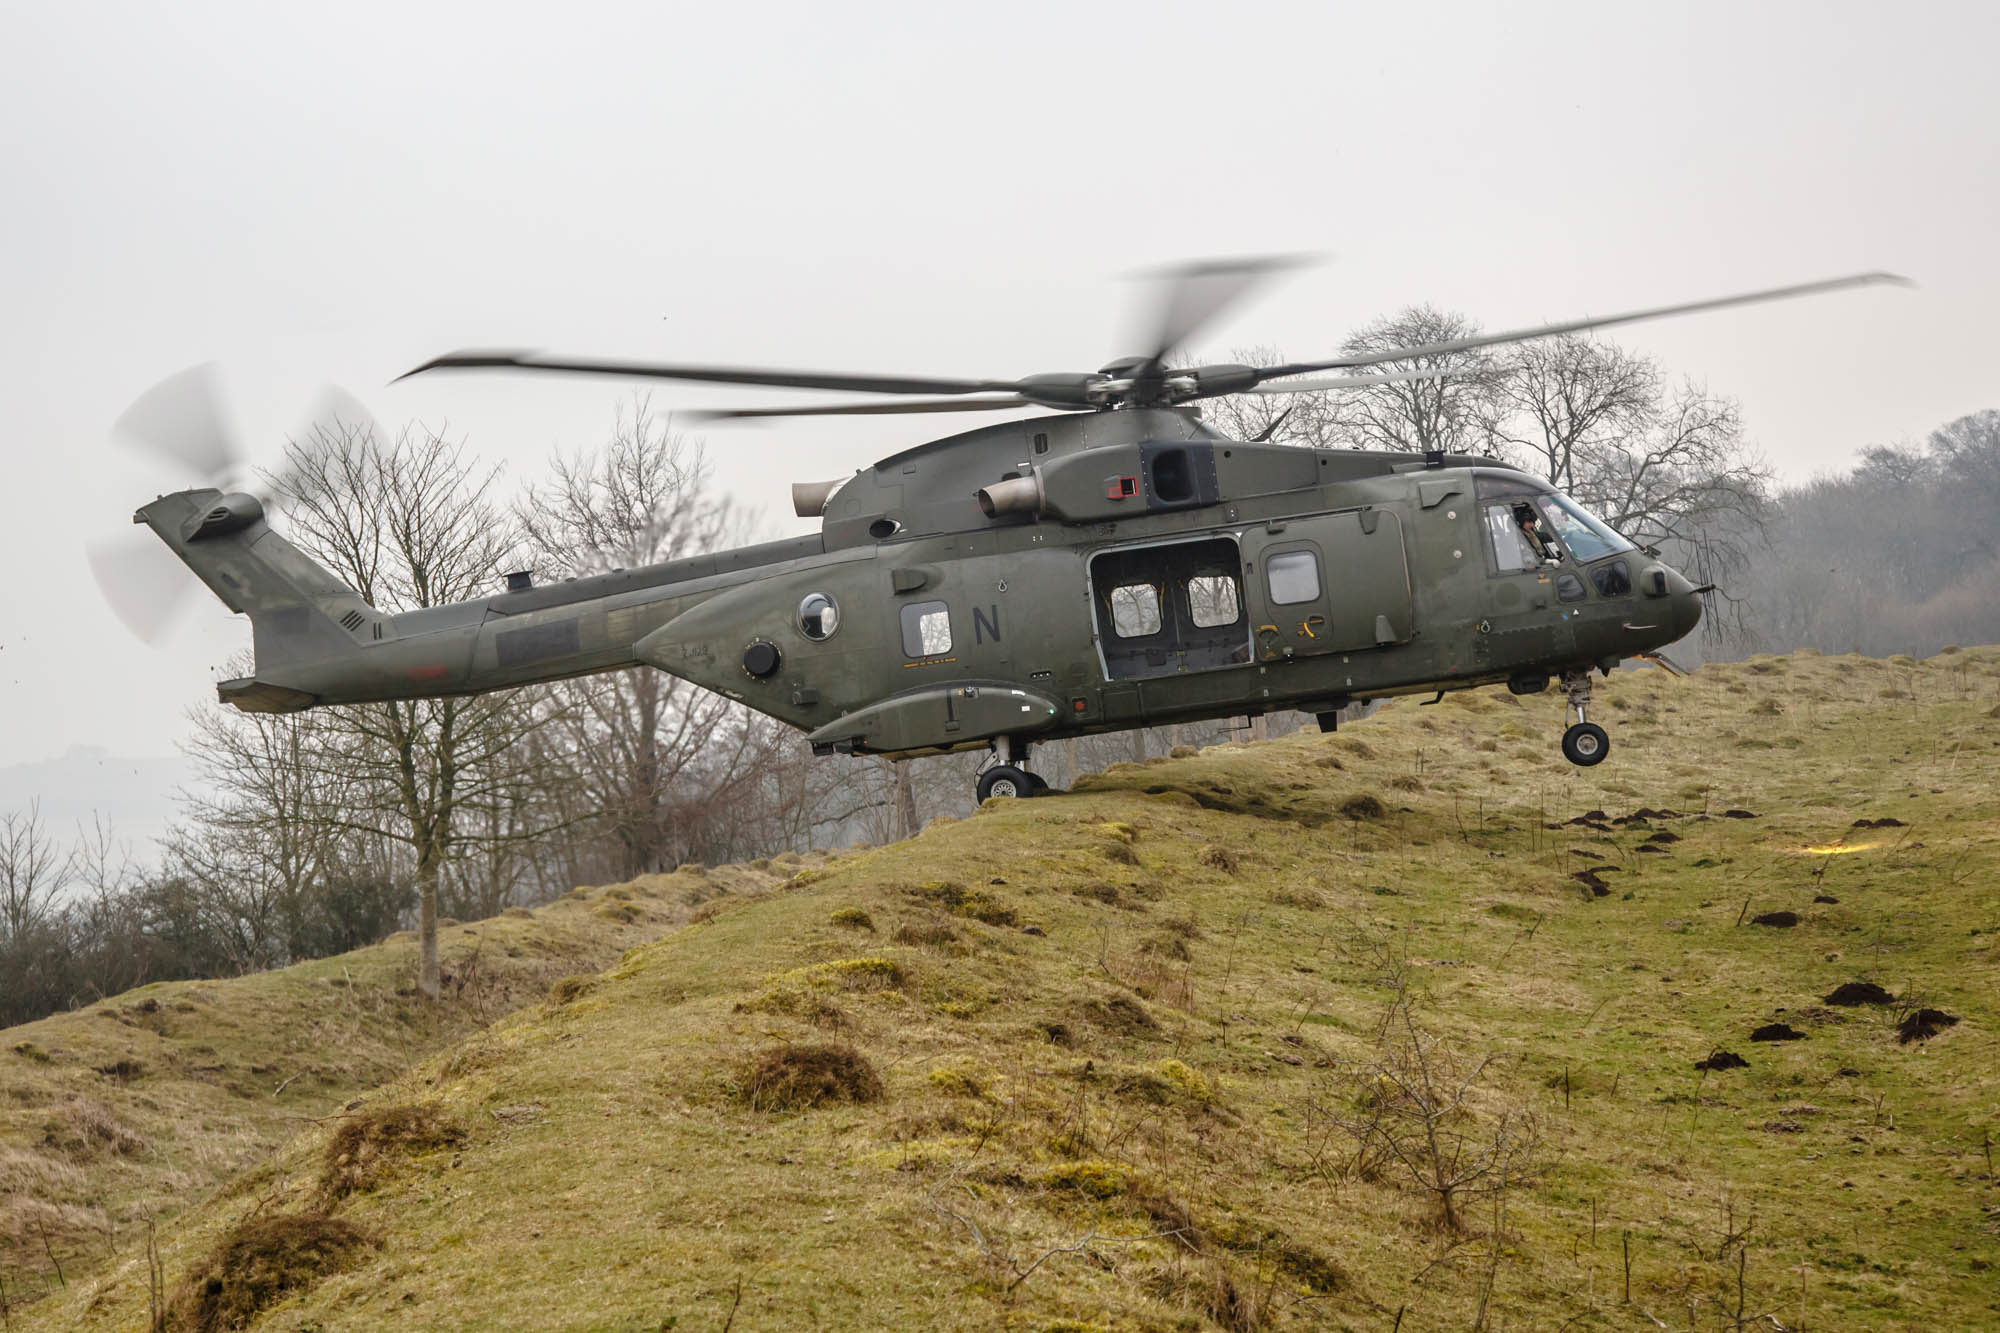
column 782, row 379
column 861, row 409
column 1578, row 325
column 337, row 412
column 1193, row 295
column 182, row 418
column 1347, row 381
column 146, row 587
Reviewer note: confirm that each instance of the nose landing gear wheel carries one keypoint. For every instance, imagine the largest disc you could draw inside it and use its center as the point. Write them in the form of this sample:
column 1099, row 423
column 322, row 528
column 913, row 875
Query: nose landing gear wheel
column 1006, row 780
column 1585, row 744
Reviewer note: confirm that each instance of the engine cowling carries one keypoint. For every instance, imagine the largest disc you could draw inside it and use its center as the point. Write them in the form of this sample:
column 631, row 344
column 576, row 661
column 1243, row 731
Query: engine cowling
column 230, row 513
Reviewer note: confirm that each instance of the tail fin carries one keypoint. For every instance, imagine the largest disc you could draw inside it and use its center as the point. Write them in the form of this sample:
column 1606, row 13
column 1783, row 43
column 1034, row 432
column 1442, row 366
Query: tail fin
column 300, row 614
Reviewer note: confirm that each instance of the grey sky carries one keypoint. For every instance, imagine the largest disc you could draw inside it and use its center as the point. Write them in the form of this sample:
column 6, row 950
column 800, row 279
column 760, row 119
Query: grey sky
column 336, row 193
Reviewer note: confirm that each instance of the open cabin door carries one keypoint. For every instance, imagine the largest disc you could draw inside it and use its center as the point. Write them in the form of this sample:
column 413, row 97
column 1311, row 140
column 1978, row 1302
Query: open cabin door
column 1331, row 583
column 1170, row 608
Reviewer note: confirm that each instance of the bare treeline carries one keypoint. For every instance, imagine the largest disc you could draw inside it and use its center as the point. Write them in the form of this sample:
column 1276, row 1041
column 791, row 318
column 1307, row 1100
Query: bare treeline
column 1900, row 555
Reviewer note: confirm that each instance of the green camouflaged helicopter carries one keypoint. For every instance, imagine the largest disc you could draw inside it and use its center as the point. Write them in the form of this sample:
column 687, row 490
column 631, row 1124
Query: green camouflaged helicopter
column 1115, row 564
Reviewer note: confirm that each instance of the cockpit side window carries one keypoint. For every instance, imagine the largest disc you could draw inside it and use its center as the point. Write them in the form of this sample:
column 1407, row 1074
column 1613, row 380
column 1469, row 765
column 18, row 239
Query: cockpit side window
column 1514, row 540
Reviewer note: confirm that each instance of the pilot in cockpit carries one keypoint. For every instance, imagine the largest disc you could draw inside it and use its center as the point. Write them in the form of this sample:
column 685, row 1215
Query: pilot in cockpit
column 1538, row 537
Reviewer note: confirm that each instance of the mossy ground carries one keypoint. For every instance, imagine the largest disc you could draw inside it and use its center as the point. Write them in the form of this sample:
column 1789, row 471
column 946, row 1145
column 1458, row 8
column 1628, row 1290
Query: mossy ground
column 1116, row 1107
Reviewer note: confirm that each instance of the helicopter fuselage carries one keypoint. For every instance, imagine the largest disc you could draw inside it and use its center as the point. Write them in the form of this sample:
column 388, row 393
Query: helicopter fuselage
column 1025, row 582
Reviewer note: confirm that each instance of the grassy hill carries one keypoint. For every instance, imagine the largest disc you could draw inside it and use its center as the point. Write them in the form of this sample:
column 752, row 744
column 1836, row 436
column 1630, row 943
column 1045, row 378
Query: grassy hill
column 1394, row 1028
column 140, row 1104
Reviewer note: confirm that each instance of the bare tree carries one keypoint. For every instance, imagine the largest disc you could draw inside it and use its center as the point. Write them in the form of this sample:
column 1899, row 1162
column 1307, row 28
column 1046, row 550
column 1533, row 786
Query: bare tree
column 410, row 524
column 663, row 766
column 1571, row 397
column 264, row 825
column 33, row 869
column 1454, row 413
column 1318, row 419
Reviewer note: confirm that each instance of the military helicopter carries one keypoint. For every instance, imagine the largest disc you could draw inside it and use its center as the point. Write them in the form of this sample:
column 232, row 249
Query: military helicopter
column 1113, row 564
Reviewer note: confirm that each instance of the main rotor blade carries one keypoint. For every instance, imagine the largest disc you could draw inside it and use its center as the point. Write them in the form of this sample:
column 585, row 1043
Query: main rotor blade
column 1578, row 325
column 860, row 409
column 182, row 417
column 1193, row 295
column 1348, row 381
column 782, row 379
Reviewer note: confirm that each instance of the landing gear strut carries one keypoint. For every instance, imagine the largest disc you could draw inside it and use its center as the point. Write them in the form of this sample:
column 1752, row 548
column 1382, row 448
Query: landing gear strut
column 1584, row 743
column 1012, row 777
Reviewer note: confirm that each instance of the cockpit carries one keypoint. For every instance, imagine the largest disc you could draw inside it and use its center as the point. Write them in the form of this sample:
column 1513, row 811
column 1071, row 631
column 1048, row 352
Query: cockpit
column 1528, row 526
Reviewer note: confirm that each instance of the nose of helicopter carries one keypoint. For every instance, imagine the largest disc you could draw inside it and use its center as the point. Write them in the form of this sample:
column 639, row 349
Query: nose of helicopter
column 1683, row 602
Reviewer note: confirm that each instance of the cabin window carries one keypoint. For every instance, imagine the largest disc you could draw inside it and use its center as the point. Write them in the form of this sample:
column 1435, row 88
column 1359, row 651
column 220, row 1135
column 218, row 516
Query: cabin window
column 1569, row 588
column 1213, row 600
column 1614, row 579
column 926, row 629
column 1292, row 577
column 819, row 617
column 1135, row 610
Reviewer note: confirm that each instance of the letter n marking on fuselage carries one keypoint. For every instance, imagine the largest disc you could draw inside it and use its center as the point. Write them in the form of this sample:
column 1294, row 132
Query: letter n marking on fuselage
column 983, row 628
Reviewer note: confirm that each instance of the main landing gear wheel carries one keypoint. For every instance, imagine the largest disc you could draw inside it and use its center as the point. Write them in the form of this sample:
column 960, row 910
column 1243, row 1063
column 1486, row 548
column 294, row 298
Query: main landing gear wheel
column 1038, row 782
column 1585, row 744
column 1007, row 780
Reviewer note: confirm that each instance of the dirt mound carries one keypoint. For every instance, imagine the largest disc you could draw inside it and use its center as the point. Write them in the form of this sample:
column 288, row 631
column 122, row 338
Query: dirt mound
column 1887, row 821
column 1777, row 1032
column 797, row 1078
column 1923, row 1025
column 1780, row 919
column 258, row 1263
column 1739, row 814
column 1590, row 881
column 364, row 1145
column 1851, row 993
column 1722, row 1060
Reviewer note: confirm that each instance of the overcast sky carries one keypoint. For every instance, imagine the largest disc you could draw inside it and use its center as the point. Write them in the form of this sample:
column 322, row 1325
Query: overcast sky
column 315, row 193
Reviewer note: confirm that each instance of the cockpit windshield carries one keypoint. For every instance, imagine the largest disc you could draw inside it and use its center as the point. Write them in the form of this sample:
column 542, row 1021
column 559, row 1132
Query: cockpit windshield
column 1582, row 532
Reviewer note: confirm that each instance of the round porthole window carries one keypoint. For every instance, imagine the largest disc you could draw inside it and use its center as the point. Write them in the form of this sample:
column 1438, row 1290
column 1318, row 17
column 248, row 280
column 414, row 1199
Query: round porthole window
column 818, row 616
